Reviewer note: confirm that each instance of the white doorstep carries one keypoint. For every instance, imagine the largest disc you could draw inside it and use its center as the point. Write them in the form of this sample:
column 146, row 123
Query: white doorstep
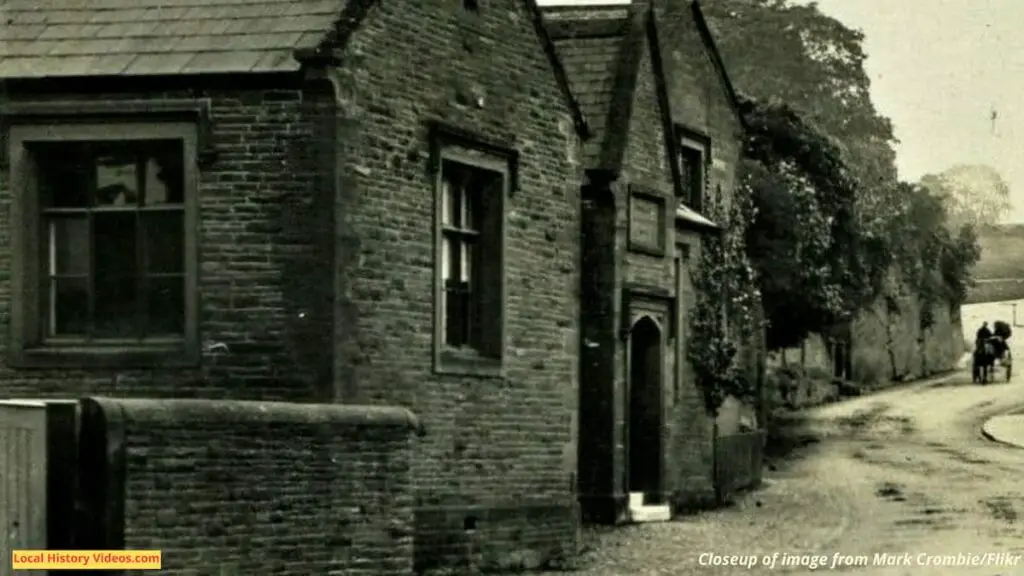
column 636, row 499
column 638, row 512
column 657, row 513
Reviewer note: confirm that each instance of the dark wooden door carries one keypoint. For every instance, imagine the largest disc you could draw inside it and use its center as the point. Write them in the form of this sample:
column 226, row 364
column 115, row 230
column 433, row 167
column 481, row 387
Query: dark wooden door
column 645, row 406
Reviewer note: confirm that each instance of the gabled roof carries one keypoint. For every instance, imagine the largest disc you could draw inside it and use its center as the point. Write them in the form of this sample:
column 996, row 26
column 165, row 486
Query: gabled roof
column 601, row 49
column 583, row 129
column 597, row 48
column 65, row 38
column 716, row 57
column 48, row 38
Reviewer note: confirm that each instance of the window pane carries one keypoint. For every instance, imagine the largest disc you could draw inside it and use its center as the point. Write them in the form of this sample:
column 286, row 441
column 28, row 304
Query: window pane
column 469, row 197
column 115, row 274
column 68, row 307
column 686, row 176
column 448, row 203
column 163, row 233
column 117, row 178
column 485, row 187
column 115, row 239
column 116, row 313
column 453, row 252
column 446, row 257
column 63, row 172
column 165, row 306
column 165, row 174
column 456, row 297
column 466, row 261
column 68, row 246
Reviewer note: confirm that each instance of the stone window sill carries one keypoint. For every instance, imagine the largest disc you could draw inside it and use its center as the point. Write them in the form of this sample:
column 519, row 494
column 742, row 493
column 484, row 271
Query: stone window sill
column 461, row 362
column 169, row 354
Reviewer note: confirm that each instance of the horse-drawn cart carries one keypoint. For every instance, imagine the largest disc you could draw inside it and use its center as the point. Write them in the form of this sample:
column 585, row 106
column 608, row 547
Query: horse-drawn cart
column 992, row 351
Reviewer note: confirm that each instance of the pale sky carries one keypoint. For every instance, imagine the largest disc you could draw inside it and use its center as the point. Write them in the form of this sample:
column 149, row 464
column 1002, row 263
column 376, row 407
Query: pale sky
column 938, row 68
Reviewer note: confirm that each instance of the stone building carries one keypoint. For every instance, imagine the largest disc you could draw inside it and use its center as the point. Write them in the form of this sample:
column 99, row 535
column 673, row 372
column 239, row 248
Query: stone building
column 309, row 201
column 667, row 136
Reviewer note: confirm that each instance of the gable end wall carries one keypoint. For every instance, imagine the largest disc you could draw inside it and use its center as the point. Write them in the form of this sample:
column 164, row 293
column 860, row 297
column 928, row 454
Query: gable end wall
column 496, row 470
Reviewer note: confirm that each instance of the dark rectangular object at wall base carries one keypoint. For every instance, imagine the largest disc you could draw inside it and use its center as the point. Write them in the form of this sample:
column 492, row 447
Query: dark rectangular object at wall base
column 62, row 472
column 738, row 463
column 100, row 513
column 606, row 509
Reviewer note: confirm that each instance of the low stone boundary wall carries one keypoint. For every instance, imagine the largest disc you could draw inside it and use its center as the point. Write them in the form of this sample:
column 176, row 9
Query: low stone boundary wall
column 228, row 487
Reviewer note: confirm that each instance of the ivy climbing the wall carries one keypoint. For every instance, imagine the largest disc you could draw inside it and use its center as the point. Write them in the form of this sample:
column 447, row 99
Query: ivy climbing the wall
column 727, row 303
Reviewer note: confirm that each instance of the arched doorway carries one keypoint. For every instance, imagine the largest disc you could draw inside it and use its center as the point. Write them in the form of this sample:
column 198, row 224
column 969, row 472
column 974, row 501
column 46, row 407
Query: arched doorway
column 645, row 409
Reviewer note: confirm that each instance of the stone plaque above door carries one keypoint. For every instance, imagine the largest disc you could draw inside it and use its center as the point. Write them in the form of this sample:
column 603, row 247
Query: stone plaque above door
column 647, row 222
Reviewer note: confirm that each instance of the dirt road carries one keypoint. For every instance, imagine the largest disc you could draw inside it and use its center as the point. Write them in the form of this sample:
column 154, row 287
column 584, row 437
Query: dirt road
column 904, row 473
column 921, row 480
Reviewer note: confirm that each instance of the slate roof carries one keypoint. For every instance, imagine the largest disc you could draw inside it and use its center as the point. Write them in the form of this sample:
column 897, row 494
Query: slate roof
column 601, row 48
column 590, row 64
column 47, row 38
column 708, row 37
column 589, row 41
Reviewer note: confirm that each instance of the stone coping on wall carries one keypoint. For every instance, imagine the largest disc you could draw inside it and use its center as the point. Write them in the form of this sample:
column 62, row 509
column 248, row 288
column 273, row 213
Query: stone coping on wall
column 255, row 412
column 127, row 444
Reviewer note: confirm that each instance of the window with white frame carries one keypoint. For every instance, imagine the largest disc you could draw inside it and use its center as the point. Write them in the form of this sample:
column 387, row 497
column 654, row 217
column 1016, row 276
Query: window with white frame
column 471, row 188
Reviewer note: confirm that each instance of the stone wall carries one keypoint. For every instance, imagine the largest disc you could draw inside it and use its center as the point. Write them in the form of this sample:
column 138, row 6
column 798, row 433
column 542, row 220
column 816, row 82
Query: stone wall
column 495, row 476
column 889, row 346
column 317, row 260
column 264, row 279
column 699, row 101
column 886, row 347
column 226, row 487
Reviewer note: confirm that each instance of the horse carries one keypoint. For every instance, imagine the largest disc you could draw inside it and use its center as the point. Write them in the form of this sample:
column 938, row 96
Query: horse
column 985, row 354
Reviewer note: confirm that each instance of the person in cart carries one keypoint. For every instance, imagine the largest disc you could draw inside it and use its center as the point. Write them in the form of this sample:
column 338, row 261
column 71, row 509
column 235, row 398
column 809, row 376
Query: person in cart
column 982, row 335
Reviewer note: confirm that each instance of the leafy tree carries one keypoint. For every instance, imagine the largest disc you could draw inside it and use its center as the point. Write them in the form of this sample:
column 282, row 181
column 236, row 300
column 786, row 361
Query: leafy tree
column 937, row 254
column 829, row 217
column 815, row 64
column 803, row 237
column 957, row 263
column 972, row 194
